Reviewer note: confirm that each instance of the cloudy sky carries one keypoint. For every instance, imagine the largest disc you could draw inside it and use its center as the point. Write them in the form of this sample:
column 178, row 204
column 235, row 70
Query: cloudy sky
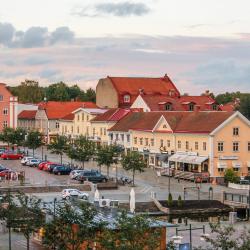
column 200, row 44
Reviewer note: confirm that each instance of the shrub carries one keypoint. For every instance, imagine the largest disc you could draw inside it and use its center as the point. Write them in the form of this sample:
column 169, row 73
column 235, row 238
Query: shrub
column 230, row 176
column 170, row 200
column 180, row 202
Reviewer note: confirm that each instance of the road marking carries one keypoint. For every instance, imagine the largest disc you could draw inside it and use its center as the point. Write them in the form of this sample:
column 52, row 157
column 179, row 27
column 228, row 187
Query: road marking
column 145, row 189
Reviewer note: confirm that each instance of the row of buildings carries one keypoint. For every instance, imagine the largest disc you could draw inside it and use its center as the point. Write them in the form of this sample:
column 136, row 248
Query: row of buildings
column 191, row 134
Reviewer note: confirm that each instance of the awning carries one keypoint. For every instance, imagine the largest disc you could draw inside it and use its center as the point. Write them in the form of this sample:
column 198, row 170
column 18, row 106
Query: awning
column 162, row 157
column 190, row 159
column 236, row 164
column 221, row 164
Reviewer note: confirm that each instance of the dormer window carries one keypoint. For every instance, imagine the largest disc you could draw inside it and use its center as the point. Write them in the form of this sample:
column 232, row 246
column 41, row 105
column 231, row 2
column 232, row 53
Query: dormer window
column 126, row 98
column 168, row 106
column 215, row 107
column 191, row 107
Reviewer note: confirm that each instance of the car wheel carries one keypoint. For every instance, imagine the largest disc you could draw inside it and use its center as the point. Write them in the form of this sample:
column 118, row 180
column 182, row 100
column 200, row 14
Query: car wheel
column 20, row 158
column 67, row 198
column 104, row 180
column 59, row 173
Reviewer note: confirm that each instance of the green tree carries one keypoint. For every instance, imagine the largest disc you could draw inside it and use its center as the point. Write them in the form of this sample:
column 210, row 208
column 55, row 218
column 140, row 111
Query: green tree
column 34, row 140
column 107, row 155
column 28, row 91
column 133, row 162
column 230, row 176
column 170, row 200
column 71, row 227
column 224, row 238
column 29, row 216
column 19, row 135
column 131, row 233
column 74, row 92
column 8, row 136
column 59, row 146
column 82, row 150
column 245, row 106
column 58, row 92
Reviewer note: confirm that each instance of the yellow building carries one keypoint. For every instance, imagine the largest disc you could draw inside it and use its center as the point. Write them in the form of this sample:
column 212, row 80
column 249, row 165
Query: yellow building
column 188, row 142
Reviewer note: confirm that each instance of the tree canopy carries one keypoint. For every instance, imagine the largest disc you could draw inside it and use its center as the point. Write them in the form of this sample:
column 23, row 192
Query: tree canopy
column 30, row 91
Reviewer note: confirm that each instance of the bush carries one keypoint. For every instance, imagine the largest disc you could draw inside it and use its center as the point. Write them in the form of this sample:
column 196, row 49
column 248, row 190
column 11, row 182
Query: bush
column 180, row 202
column 170, row 200
column 231, row 176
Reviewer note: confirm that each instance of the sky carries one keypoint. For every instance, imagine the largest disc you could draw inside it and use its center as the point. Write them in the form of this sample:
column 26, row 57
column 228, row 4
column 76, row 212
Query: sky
column 201, row 44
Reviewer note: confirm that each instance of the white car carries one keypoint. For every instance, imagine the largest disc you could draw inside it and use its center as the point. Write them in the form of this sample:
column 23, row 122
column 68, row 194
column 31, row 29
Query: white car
column 26, row 159
column 75, row 193
column 75, row 172
column 32, row 162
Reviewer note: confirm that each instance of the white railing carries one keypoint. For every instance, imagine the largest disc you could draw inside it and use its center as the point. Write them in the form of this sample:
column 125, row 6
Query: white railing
column 238, row 186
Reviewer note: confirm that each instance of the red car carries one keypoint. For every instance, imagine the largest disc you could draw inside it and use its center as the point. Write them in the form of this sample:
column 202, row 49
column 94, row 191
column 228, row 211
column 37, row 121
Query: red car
column 43, row 164
column 47, row 165
column 11, row 156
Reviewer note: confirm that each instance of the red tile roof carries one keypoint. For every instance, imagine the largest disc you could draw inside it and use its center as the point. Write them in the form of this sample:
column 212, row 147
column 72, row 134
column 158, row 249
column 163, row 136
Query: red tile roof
column 154, row 102
column 112, row 115
column 27, row 115
column 228, row 106
column 150, row 86
column 68, row 117
column 57, row 110
column 180, row 122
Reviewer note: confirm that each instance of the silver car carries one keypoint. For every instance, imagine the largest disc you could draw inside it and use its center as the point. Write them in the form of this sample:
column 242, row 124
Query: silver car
column 74, row 193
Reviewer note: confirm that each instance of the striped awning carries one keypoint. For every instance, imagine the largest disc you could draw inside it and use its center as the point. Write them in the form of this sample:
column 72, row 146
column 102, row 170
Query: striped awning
column 236, row 164
column 190, row 159
column 222, row 164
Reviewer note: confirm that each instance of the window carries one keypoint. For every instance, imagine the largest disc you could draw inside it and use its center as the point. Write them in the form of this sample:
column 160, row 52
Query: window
column 141, row 141
column 104, row 131
column 126, row 98
column 161, row 143
column 101, row 131
column 93, row 131
column 135, row 140
column 235, row 146
column 87, row 117
column 82, row 117
column 117, row 137
column 191, row 107
column 179, row 144
column 235, row 131
column 152, row 142
column 215, row 107
column 78, row 129
column 236, row 169
column 5, row 124
column 220, row 146
column 122, row 137
column 248, row 146
column 168, row 143
column 57, row 124
column 168, row 106
column 128, row 138
column 220, row 169
column 78, row 117
column 196, row 145
column 146, row 141
column 187, row 145
column 72, row 129
column 152, row 160
column 111, row 136
column 5, row 111
column 204, row 146
column 1, row 97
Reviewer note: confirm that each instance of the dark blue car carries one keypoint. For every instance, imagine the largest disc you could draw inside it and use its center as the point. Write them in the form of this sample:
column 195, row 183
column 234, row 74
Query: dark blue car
column 59, row 170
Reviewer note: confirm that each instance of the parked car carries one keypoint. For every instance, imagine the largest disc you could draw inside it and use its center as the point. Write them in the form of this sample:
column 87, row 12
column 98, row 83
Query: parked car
column 2, row 150
column 42, row 164
column 26, row 159
column 76, row 172
column 91, row 176
column 68, row 193
column 2, row 168
column 61, row 170
column 11, row 156
column 51, row 166
column 33, row 162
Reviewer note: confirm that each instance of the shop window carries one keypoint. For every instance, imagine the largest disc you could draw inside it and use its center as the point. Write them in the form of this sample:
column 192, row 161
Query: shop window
column 236, row 131
column 235, row 146
column 220, row 146
column 196, row 145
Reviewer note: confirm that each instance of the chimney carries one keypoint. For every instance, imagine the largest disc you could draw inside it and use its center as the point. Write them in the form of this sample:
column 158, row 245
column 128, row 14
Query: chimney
column 207, row 93
column 166, row 75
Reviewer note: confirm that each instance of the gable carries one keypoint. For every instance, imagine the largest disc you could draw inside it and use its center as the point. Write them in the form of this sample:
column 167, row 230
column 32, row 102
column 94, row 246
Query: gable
column 162, row 126
column 141, row 104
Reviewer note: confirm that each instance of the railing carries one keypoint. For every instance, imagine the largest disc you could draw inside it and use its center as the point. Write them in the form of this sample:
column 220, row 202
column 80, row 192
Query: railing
column 234, row 198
